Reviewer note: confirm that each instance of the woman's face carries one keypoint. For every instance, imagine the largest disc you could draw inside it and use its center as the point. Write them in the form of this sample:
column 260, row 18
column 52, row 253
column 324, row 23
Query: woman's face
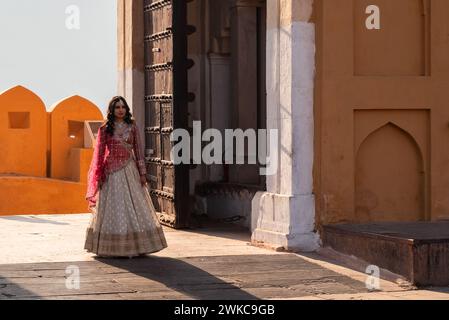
column 120, row 110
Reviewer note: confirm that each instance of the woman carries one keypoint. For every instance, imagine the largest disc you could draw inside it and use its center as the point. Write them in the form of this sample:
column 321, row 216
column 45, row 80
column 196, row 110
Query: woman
column 124, row 221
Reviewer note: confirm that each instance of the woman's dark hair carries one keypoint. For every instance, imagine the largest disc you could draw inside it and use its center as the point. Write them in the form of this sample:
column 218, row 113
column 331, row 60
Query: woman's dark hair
column 109, row 123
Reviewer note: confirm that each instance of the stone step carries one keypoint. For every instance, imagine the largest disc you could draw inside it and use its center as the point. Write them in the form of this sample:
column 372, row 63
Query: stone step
column 419, row 251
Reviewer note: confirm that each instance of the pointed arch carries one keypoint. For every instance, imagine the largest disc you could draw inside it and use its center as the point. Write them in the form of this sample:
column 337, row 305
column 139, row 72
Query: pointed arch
column 24, row 131
column 18, row 95
column 389, row 177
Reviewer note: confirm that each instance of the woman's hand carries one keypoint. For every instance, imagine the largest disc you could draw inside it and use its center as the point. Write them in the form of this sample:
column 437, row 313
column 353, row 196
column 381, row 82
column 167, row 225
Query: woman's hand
column 143, row 180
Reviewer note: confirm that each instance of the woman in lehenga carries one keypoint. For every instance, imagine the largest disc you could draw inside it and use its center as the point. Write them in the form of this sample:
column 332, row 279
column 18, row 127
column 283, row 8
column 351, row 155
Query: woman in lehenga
column 124, row 221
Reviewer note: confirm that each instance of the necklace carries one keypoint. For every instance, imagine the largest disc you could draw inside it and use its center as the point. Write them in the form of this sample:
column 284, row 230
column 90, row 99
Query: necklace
column 120, row 128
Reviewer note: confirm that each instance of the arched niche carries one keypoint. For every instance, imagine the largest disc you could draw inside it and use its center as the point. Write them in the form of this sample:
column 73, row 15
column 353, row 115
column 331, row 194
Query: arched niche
column 389, row 177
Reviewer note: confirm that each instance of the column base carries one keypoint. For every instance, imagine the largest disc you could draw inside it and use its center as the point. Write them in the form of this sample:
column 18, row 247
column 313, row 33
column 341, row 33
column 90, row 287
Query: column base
column 280, row 221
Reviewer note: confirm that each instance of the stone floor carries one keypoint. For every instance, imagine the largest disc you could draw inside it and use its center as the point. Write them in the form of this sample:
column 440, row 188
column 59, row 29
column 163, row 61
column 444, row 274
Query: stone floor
column 216, row 262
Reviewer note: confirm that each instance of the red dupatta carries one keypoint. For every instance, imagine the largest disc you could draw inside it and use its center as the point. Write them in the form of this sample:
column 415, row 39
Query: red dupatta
column 96, row 174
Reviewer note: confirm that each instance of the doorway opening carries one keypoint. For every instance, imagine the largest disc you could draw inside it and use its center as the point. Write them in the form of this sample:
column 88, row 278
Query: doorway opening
column 205, row 61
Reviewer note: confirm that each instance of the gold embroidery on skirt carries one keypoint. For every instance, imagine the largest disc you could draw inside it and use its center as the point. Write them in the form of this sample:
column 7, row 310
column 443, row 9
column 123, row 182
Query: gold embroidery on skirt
column 125, row 245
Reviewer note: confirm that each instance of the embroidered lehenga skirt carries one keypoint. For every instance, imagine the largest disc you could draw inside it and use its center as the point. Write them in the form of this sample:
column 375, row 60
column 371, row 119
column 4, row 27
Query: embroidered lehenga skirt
column 124, row 222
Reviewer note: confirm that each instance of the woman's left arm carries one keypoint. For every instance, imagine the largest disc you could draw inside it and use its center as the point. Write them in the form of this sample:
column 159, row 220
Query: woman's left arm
column 138, row 151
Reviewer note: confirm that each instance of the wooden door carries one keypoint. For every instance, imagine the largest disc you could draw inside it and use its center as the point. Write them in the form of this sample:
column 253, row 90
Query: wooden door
column 166, row 106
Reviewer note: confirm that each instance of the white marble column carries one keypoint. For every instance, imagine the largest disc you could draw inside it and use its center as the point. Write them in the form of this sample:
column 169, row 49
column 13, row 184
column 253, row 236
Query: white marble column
column 131, row 77
column 284, row 216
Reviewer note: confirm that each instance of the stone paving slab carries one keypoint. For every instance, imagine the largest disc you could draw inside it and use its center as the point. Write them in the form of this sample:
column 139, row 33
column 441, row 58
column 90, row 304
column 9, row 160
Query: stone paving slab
column 243, row 277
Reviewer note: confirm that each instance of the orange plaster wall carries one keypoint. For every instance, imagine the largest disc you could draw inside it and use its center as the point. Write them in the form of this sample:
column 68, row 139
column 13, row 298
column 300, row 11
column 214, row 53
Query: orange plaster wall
column 28, row 195
column 23, row 150
column 381, row 112
column 80, row 162
column 39, row 157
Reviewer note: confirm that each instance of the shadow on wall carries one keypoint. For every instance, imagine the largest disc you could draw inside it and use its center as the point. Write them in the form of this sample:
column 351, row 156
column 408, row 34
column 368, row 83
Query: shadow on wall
column 45, row 155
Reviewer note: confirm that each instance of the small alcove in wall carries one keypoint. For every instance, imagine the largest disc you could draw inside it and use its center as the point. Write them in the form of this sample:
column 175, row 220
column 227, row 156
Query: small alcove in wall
column 19, row 120
column 76, row 131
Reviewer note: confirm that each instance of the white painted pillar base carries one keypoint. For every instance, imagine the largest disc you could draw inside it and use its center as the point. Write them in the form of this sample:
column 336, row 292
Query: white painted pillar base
column 283, row 221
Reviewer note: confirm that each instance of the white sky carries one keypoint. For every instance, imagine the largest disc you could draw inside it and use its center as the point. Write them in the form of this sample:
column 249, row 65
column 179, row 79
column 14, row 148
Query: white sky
column 40, row 53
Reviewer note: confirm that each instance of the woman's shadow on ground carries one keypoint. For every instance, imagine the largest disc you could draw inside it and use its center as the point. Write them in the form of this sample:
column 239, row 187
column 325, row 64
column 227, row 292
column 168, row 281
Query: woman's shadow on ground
column 181, row 276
